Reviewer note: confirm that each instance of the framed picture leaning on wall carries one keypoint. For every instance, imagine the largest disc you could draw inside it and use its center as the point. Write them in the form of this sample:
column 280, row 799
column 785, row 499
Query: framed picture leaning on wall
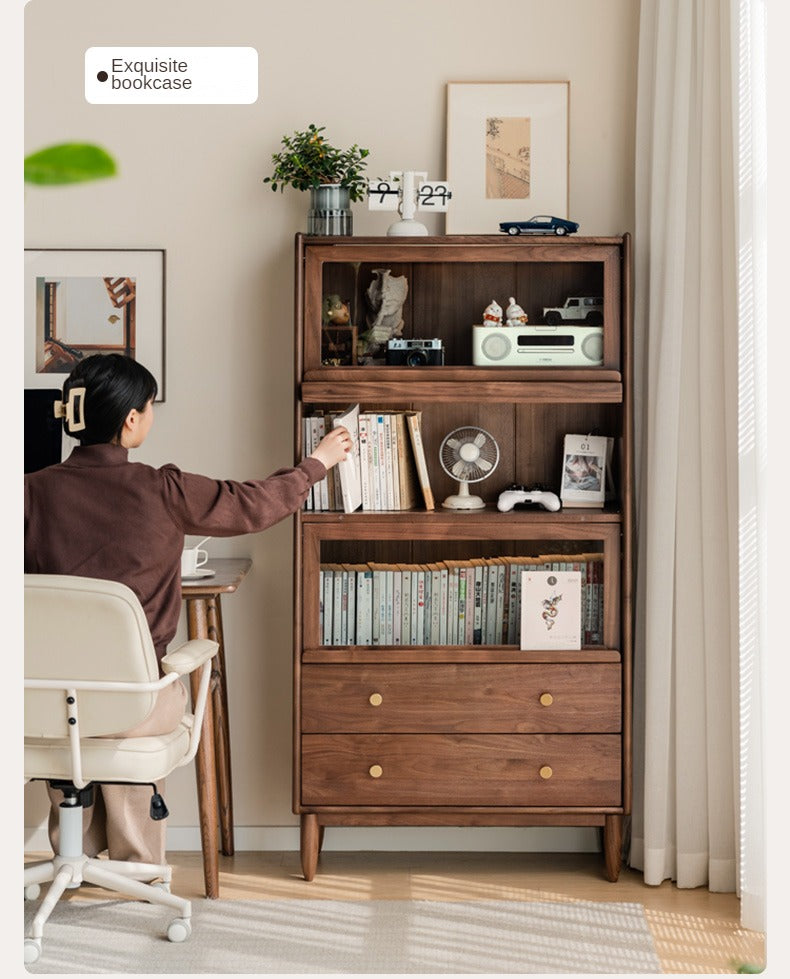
column 81, row 301
column 507, row 153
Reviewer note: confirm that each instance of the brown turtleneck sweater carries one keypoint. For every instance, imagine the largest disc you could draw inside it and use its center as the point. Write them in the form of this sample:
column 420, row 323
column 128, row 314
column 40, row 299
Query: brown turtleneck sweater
column 98, row 515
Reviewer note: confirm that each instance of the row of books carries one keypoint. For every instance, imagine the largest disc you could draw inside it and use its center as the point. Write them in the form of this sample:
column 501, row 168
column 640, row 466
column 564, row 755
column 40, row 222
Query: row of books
column 386, row 469
column 470, row 602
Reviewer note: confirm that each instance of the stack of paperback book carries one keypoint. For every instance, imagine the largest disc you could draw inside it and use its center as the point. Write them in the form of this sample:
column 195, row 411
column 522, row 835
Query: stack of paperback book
column 386, row 470
column 470, row 602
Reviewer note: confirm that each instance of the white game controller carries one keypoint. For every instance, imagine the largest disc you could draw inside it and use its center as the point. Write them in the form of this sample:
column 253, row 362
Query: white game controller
column 510, row 497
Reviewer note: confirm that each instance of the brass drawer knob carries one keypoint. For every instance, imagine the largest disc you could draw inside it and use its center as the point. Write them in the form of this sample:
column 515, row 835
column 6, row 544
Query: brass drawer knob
column 546, row 699
column 375, row 699
column 546, row 772
column 375, row 771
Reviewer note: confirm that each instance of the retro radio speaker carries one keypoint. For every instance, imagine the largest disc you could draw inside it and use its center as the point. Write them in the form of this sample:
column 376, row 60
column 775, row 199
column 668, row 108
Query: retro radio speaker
column 537, row 346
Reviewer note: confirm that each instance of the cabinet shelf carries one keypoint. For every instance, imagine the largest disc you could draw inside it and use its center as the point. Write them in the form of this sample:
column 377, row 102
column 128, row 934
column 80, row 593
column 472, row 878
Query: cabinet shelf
column 461, row 248
column 448, row 524
column 393, row 385
column 410, row 734
column 456, row 654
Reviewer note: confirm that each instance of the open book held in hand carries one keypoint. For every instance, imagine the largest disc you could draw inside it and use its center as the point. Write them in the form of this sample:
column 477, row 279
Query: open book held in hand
column 350, row 482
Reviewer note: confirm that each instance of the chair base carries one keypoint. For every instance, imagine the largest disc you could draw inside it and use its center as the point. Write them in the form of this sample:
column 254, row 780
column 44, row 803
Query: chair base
column 67, row 871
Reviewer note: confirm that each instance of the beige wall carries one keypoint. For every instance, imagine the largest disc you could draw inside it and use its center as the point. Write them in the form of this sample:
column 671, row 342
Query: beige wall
column 190, row 182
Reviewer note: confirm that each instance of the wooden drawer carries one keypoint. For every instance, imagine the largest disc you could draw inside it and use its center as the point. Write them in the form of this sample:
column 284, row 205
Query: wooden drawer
column 491, row 698
column 461, row 770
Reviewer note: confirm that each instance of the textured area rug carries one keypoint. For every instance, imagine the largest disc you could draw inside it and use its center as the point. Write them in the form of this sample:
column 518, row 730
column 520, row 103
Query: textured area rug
column 310, row 937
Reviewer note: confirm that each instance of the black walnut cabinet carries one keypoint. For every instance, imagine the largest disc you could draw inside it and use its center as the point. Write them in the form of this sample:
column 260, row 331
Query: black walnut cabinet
column 481, row 735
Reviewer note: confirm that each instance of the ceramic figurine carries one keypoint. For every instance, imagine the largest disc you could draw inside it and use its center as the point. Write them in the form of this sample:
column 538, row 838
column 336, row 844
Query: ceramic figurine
column 385, row 297
column 335, row 311
column 514, row 314
column 492, row 315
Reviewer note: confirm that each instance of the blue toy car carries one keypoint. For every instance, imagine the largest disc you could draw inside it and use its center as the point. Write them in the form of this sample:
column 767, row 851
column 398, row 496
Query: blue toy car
column 540, row 224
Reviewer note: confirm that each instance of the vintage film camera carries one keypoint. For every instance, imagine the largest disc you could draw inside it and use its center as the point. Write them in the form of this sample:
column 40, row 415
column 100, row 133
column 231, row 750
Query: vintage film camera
column 415, row 353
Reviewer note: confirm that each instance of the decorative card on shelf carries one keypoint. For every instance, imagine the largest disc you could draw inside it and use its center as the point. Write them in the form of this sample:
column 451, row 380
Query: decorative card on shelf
column 551, row 610
column 584, row 471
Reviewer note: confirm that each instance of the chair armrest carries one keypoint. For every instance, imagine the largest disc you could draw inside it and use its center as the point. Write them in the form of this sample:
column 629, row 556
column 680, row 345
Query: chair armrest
column 189, row 656
column 194, row 654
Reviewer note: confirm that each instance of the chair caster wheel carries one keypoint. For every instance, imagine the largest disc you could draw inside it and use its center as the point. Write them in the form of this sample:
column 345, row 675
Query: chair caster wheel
column 32, row 891
column 179, row 930
column 32, row 950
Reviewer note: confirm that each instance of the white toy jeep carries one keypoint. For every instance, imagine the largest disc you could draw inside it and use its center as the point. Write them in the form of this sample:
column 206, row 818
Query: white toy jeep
column 588, row 309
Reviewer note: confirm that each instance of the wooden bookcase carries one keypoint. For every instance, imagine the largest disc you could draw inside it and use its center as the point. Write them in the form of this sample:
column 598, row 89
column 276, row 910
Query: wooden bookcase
column 447, row 735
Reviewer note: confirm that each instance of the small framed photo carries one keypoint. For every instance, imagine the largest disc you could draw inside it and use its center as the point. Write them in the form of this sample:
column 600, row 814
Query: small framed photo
column 584, row 470
column 81, row 302
column 507, row 153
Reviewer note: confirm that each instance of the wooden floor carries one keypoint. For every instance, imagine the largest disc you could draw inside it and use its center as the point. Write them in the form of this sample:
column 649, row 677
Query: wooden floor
column 694, row 931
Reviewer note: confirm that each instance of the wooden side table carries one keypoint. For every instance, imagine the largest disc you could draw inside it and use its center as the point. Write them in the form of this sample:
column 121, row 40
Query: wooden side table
column 212, row 762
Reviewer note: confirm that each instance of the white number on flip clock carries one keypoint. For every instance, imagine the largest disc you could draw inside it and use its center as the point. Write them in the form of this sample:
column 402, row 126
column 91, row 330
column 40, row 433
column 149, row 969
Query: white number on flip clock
column 434, row 195
column 383, row 195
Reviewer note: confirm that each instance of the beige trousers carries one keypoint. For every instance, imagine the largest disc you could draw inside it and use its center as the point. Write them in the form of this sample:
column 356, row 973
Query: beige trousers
column 119, row 820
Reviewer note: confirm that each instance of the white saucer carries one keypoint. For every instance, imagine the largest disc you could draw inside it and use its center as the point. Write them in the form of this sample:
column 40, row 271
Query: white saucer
column 200, row 573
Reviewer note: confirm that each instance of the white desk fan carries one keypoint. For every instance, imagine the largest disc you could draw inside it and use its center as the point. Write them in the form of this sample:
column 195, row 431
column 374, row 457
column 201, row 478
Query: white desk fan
column 469, row 455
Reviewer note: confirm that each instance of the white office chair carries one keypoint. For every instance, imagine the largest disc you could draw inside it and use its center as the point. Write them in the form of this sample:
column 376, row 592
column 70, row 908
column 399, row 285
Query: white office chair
column 90, row 671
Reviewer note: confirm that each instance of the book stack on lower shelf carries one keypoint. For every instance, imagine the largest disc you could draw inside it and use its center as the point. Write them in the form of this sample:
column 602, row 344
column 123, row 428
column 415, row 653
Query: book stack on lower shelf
column 388, row 470
column 474, row 602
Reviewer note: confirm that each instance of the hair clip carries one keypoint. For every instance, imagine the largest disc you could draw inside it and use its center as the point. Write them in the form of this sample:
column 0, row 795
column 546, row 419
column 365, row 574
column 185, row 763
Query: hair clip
column 65, row 409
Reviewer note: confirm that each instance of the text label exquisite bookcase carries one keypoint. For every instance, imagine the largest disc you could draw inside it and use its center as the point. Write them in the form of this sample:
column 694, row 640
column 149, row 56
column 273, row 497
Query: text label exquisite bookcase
column 485, row 734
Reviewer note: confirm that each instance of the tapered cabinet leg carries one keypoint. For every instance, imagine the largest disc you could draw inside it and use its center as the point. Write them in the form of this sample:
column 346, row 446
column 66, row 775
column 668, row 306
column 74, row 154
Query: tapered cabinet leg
column 613, row 846
column 310, row 840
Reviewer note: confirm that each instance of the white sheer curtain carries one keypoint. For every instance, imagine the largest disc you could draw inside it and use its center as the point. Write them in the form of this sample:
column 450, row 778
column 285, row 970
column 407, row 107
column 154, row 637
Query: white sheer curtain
column 750, row 42
column 687, row 801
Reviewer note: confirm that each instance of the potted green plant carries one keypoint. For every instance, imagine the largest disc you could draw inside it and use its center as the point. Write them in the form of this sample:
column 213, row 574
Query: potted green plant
column 334, row 178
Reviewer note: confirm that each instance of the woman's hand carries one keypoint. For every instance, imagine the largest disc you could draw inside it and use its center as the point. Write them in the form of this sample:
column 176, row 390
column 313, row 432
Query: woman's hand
column 333, row 447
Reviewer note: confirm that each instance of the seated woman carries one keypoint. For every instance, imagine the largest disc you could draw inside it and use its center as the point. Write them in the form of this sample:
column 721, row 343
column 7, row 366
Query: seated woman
column 98, row 515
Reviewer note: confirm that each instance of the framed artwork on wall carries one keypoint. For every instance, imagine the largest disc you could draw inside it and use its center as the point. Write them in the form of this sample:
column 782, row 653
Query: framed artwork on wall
column 85, row 301
column 507, row 153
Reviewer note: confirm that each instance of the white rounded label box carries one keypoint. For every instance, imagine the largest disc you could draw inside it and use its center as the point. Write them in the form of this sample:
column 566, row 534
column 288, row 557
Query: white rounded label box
column 161, row 75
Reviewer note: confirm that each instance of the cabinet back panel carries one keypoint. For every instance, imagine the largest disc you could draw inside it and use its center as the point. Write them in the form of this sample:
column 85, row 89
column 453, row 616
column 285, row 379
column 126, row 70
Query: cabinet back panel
column 351, row 282
column 550, row 284
column 451, row 299
column 540, row 431
column 425, row 551
column 445, row 299
column 497, row 419
column 530, row 439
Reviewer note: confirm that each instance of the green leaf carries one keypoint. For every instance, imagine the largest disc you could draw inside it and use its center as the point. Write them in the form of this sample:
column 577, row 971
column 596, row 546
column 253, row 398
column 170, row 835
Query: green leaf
column 68, row 163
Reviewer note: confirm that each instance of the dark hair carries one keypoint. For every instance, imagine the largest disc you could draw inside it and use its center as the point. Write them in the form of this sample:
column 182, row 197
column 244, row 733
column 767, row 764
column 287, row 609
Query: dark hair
column 114, row 385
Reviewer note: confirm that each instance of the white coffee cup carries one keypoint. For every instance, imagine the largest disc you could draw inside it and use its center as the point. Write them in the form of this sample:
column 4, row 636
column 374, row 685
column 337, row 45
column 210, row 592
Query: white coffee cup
column 192, row 558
